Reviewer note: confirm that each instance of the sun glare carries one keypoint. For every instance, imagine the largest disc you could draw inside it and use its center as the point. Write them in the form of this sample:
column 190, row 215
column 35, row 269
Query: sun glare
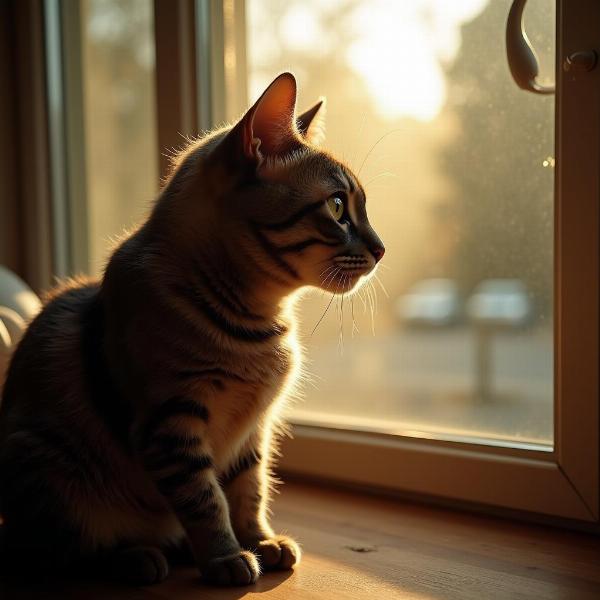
column 301, row 28
column 397, row 49
column 400, row 48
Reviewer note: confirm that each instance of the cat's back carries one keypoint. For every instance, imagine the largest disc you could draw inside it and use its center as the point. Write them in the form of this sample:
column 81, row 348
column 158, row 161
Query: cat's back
column 47, row 367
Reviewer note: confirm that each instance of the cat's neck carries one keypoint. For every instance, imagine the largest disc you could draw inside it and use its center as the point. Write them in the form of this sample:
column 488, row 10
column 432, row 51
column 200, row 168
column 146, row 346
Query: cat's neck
column 260, row 294
column 215, row 264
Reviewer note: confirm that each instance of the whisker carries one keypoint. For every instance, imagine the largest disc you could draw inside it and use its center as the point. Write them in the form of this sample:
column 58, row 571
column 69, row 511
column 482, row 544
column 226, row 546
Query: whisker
column 354, row 326
column 328, row 305
column 360, row 132
column 361, row 295
column 386, row 174
column 330, row 278
column 326, row 270
column 375, row 297
column 322, row 273
column 371, row 308
column 325, row 274
column 382, row 157
column 377, row 144
column 341, row 339
column 323, row 315
column 381, row 286
column 337, row 293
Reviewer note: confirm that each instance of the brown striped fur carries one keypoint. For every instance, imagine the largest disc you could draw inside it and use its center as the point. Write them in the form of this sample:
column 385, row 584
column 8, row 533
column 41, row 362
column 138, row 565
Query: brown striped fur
column 140, row 412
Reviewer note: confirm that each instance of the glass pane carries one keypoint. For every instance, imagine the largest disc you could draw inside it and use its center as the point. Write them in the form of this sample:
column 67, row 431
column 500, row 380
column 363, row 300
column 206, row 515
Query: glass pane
column 119, row 116
column 459, row 171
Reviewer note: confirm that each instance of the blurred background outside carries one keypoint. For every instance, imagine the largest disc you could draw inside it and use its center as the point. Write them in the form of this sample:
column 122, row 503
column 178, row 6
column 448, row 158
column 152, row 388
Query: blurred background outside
column 458, row 167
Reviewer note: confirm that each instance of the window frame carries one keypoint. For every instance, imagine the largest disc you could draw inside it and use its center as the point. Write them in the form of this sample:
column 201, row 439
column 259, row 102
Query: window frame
column 26, row 236
column 66, row 133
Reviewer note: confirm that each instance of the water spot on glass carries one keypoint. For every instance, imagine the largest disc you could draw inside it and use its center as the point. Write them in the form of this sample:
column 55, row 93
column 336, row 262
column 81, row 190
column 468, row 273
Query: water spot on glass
column 549, row 161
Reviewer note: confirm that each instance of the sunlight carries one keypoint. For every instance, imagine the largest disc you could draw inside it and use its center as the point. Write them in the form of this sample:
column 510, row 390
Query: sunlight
column 418, row 92
column 397, row 50
column 350, row 576
column 301, row 28
column 400, row 48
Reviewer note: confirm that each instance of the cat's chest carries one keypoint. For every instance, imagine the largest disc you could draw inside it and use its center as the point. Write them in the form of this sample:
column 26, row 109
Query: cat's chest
column 241, row 394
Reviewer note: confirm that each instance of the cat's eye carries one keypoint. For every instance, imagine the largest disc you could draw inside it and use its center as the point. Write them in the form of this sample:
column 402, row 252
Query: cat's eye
column 336, row 206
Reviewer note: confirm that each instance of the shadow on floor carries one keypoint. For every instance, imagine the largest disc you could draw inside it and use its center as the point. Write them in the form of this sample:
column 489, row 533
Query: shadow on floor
column 182, row 584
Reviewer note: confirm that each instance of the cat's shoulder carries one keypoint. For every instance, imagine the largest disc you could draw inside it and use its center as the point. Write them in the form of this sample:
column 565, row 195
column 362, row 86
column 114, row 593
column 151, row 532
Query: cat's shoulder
column 66, row 303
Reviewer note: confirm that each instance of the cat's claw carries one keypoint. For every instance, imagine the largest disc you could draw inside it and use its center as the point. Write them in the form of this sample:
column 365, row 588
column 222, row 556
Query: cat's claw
column 279, row 552
column 236, row 569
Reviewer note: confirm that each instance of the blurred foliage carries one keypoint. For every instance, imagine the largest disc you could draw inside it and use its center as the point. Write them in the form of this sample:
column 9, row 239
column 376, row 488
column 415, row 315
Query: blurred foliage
column 504, row 194
column 119, row 104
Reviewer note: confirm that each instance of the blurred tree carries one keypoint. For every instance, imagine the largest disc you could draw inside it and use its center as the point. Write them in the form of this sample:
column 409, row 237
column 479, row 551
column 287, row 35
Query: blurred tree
column 501, row 160
column 121, row 153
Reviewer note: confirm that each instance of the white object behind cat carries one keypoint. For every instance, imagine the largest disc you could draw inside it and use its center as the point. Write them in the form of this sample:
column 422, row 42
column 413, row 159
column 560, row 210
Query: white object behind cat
column 18, row 305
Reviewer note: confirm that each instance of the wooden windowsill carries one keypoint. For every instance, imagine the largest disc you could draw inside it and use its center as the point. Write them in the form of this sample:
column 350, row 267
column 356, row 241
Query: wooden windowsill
column 359, row 547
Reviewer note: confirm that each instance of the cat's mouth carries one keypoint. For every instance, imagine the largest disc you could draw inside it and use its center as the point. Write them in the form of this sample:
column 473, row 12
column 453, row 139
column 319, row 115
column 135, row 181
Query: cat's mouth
column 352, row 261
column 354, row 264
column 345, row 272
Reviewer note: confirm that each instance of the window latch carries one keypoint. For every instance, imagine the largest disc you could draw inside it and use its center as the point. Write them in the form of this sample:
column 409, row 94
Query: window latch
column 522, row 60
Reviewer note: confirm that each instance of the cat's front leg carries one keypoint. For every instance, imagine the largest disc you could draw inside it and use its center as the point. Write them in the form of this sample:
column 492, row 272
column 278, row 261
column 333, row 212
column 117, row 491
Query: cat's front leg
column 247, row 487
column 176, row 456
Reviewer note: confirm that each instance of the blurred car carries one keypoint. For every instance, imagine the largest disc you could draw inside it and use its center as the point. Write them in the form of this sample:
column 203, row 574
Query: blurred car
column 430, row 303
column 500, row 303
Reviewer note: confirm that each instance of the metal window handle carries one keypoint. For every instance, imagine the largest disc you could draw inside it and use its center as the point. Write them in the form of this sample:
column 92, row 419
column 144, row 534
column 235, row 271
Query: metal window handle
column 522, row 60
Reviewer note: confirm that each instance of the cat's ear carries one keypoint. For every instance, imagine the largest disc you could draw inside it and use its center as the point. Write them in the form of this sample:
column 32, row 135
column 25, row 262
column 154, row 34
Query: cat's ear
column 269, row 128
column 311, row 124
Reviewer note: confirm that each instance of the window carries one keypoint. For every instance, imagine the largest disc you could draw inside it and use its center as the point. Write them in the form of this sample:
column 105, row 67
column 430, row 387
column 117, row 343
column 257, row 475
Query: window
column 109, row 114
column 481, row 381
column 119, row 112
column 457, row 164
column 450, row 398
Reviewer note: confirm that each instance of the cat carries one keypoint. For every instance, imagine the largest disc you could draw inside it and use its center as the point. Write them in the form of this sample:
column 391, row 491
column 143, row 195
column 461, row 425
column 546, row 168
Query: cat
column 140, row 413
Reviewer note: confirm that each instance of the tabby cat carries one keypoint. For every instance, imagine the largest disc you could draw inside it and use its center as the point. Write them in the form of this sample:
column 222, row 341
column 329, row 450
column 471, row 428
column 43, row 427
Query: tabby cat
column 140, row 412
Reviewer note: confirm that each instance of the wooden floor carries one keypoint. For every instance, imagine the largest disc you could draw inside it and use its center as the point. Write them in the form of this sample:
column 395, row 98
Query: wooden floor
column 359, row 547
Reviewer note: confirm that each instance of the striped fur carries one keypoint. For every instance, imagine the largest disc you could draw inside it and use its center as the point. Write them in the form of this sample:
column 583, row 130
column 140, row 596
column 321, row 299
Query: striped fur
column 140, row 412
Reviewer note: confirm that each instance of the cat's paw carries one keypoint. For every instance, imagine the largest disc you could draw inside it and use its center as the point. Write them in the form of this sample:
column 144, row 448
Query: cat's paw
column 241, row 568
column 278, row 552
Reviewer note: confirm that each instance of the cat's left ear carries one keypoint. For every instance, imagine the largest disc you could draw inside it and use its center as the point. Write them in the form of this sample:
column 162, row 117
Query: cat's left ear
column 269, row 128
column 311, row 123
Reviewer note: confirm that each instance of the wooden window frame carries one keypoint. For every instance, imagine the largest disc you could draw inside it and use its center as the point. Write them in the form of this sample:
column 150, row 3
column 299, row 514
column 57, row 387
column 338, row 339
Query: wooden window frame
column 192, row 75
column 176, row 71
column 26, row 235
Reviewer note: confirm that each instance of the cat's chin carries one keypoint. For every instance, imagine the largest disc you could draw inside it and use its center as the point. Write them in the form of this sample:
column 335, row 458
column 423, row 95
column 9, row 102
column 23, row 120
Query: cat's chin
column 346, row 282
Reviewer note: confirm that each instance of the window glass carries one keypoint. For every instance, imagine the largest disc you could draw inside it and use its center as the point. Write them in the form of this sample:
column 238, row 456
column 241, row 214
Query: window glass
column 453, row 338
column 119, row 116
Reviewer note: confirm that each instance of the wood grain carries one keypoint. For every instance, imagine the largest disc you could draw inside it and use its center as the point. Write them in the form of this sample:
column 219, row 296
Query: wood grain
column 357, row 547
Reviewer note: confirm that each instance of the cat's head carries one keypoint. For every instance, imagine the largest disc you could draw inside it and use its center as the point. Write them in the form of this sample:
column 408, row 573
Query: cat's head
column 280, row 204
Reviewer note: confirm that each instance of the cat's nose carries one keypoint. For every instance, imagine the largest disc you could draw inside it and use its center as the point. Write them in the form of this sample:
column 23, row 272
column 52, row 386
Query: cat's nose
column 378, row 252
